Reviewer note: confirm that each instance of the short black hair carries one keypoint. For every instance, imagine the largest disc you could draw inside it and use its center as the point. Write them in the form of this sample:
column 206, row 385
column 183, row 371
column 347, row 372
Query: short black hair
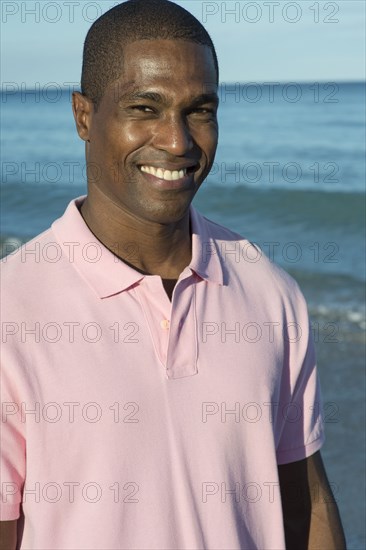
column 128, row 22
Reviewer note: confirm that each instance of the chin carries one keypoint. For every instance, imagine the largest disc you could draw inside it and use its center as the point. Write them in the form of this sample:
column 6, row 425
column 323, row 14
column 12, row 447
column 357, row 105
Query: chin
column 167, row 213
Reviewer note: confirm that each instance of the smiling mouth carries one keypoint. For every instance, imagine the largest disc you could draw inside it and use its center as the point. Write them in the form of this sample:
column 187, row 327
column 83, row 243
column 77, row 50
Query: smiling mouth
column 168, row 175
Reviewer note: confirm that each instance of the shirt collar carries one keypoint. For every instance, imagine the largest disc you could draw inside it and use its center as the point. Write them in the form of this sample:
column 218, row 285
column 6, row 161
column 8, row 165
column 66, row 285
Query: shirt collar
column 205, row 250
column 106, row 273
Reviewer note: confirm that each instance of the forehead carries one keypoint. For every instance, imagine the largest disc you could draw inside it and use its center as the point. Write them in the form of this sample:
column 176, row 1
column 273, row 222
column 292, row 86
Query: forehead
column 167, row 66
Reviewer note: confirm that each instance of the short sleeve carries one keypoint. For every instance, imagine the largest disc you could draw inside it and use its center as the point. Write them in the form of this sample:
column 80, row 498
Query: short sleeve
column 12, row 445
column 299, row 417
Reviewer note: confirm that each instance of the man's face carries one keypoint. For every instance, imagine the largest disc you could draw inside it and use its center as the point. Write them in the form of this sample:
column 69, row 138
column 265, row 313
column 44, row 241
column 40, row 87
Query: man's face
column 154, row 136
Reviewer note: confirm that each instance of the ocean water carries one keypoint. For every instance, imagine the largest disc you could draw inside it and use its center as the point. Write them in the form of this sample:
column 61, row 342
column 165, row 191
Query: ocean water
column 289, row 174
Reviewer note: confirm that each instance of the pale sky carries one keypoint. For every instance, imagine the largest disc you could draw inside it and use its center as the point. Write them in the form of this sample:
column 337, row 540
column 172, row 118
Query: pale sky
column 256, row 41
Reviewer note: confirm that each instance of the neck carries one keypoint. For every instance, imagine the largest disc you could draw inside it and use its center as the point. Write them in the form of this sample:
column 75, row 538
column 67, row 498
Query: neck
column 149, row 247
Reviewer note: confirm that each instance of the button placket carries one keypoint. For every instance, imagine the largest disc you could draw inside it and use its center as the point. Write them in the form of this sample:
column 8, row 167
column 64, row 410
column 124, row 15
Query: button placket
column 183, row 345
column 165, row 324
column 152, row 296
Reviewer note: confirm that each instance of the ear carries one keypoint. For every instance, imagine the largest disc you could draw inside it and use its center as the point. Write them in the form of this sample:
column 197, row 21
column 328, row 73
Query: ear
column 83, row 109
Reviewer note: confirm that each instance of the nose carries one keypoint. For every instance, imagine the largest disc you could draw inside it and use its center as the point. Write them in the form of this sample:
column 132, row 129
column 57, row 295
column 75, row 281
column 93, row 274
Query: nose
column 173, row 135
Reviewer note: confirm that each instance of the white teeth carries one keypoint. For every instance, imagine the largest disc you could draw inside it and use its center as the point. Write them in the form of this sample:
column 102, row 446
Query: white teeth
column 161, row 173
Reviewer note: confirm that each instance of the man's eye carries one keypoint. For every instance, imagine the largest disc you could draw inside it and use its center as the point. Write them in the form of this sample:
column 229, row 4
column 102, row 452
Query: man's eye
column 143, row 108
column 203, row 111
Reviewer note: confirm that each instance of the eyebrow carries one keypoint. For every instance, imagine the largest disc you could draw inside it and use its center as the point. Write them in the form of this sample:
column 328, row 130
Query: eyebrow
column 162, row 99
column 206, row 98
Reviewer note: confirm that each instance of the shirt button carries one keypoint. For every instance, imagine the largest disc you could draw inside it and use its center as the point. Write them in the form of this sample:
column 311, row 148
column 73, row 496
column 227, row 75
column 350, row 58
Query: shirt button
column 165, row 324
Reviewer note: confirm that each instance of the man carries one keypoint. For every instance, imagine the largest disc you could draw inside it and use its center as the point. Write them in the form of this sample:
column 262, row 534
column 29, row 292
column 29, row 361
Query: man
column 127, row 423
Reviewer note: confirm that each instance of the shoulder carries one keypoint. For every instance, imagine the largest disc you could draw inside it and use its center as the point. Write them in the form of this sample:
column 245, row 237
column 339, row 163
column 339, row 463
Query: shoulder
column 40, row 263
column 243, row 259
column 30, row 273
column 26, row 259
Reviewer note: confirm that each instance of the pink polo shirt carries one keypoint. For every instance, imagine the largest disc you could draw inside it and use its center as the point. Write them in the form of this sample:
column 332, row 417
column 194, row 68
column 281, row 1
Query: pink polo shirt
column 132, row 422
